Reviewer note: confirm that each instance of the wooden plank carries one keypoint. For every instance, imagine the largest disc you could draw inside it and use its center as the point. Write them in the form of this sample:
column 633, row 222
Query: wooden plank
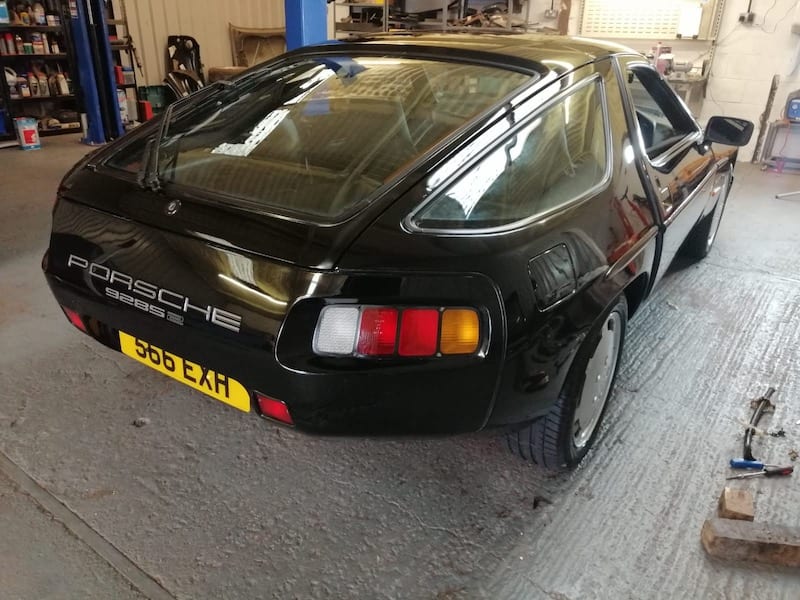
column 735, row 503
column 752, row 542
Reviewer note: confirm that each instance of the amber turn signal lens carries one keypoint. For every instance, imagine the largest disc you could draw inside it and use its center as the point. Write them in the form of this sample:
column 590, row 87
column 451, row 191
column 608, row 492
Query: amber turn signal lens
column 461, row 331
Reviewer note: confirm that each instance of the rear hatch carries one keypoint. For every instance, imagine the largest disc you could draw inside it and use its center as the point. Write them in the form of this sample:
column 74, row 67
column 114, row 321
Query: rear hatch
column 245, row 192
column 241, row 204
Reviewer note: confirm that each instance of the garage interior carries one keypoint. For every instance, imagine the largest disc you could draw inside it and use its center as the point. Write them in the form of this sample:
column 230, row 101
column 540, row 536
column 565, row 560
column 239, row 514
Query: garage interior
column 117, row 482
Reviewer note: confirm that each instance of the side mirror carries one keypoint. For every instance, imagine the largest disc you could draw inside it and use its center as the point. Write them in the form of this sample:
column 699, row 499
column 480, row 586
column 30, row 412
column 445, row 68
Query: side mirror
column 729, row 131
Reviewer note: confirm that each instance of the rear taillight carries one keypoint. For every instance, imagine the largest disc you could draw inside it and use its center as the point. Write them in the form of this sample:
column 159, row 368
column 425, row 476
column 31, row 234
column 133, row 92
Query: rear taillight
column 419, row 333
column 383, row 331
column 377, row 331
column 74, row 318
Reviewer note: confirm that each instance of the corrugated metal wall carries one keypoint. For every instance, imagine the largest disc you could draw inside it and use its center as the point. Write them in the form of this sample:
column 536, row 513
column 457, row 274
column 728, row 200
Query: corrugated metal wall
column 151, row 21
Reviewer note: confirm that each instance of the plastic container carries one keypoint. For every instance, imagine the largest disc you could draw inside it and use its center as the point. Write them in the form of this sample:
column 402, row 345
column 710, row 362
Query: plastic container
column 39, row 15
column 33, row 85
column 22, row 86
column 28, row 133
column 37, row 43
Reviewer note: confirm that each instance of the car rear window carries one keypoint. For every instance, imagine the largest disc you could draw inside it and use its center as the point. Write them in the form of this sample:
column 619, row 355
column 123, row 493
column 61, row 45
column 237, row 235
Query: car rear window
column 320, row 135
column 557, row 156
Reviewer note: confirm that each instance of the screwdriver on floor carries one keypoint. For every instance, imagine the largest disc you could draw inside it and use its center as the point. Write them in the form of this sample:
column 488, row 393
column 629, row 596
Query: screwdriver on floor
column 768, row 471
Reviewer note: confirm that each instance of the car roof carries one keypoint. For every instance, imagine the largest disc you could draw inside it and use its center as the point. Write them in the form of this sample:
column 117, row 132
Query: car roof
column 535, row 49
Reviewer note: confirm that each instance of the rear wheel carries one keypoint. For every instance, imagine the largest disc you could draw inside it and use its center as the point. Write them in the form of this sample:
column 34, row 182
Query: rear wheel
column 701, row 239
column 560, row 439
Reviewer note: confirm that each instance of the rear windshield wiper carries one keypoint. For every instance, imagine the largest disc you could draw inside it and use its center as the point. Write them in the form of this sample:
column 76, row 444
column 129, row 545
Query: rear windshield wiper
column 150, row 176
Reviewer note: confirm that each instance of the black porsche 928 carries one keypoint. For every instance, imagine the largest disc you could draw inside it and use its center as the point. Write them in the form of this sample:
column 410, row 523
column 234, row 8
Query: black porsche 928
column 401, row 235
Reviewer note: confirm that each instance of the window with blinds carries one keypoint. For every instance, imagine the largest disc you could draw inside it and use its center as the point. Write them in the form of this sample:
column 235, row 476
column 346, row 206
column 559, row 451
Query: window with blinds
column 655, row 19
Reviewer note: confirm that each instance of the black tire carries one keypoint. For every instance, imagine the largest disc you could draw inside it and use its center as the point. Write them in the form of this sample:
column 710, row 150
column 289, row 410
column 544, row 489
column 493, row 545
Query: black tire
column 549, row 441
column 702, row 237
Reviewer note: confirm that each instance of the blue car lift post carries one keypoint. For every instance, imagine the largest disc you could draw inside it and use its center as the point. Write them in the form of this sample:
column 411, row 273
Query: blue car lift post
column 306, row 22
column 93, row 57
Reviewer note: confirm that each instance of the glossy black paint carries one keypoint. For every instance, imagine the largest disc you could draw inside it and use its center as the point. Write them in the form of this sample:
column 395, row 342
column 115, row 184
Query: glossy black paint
column 538, row 287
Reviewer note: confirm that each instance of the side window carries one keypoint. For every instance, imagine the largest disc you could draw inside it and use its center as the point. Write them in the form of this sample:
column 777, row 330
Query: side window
column 556, row 157
column 662, row 118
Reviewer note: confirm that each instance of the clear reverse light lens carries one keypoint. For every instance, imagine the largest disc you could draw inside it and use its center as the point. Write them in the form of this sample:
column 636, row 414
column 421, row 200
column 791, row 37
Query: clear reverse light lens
column 337, row 330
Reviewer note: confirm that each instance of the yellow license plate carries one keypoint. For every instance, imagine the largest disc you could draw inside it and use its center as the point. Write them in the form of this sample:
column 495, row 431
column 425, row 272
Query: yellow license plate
column 218, row 386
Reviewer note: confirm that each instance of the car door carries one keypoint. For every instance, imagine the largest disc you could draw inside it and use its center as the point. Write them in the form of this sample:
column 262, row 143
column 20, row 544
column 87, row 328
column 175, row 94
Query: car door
column 678, row 168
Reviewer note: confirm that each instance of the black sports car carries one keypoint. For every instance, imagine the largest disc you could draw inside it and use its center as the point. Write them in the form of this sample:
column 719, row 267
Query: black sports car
column 406, row 234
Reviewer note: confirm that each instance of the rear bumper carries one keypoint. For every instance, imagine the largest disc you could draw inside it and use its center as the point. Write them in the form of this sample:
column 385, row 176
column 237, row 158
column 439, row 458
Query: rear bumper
column 417, row 397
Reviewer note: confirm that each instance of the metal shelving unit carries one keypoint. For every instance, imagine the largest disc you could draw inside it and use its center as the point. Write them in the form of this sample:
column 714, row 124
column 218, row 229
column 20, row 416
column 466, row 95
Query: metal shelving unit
column 12, row 61
column 360, row 18
column 353, row 18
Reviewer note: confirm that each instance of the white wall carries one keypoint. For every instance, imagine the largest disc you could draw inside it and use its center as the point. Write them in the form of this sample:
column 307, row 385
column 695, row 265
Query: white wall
column 746, row 59
column 151, row 21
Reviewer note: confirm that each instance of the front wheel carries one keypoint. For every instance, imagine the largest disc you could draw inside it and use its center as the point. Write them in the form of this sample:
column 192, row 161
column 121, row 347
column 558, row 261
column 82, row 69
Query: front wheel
column 561, row 439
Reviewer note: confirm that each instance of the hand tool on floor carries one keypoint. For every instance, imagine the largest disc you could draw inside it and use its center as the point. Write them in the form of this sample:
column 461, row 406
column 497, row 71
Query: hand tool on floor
column 762, row 404
column 741, row 463
column 767, row 471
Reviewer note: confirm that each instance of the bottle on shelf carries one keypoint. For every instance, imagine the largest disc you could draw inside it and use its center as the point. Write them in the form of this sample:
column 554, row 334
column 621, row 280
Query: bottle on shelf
column 33, row 85
column 22, row 85
column 36, row 43
column 19, row 44
column 39, row 16
column 44, row 86
column 63, row 86
column 54, row 47
column 12, row 81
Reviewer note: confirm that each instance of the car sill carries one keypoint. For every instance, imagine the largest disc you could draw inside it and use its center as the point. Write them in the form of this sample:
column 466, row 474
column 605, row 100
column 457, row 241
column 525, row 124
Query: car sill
column 689, row 199
column 632, row 253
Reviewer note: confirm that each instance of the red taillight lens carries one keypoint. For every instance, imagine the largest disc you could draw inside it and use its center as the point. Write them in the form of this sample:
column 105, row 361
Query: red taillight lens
column 74, row 318
column 274, row 409
column 377, row 333
column 419, row 332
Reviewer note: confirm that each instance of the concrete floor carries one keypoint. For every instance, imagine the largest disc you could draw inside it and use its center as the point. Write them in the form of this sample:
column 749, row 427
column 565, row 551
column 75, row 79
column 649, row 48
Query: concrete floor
column 213, row 503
